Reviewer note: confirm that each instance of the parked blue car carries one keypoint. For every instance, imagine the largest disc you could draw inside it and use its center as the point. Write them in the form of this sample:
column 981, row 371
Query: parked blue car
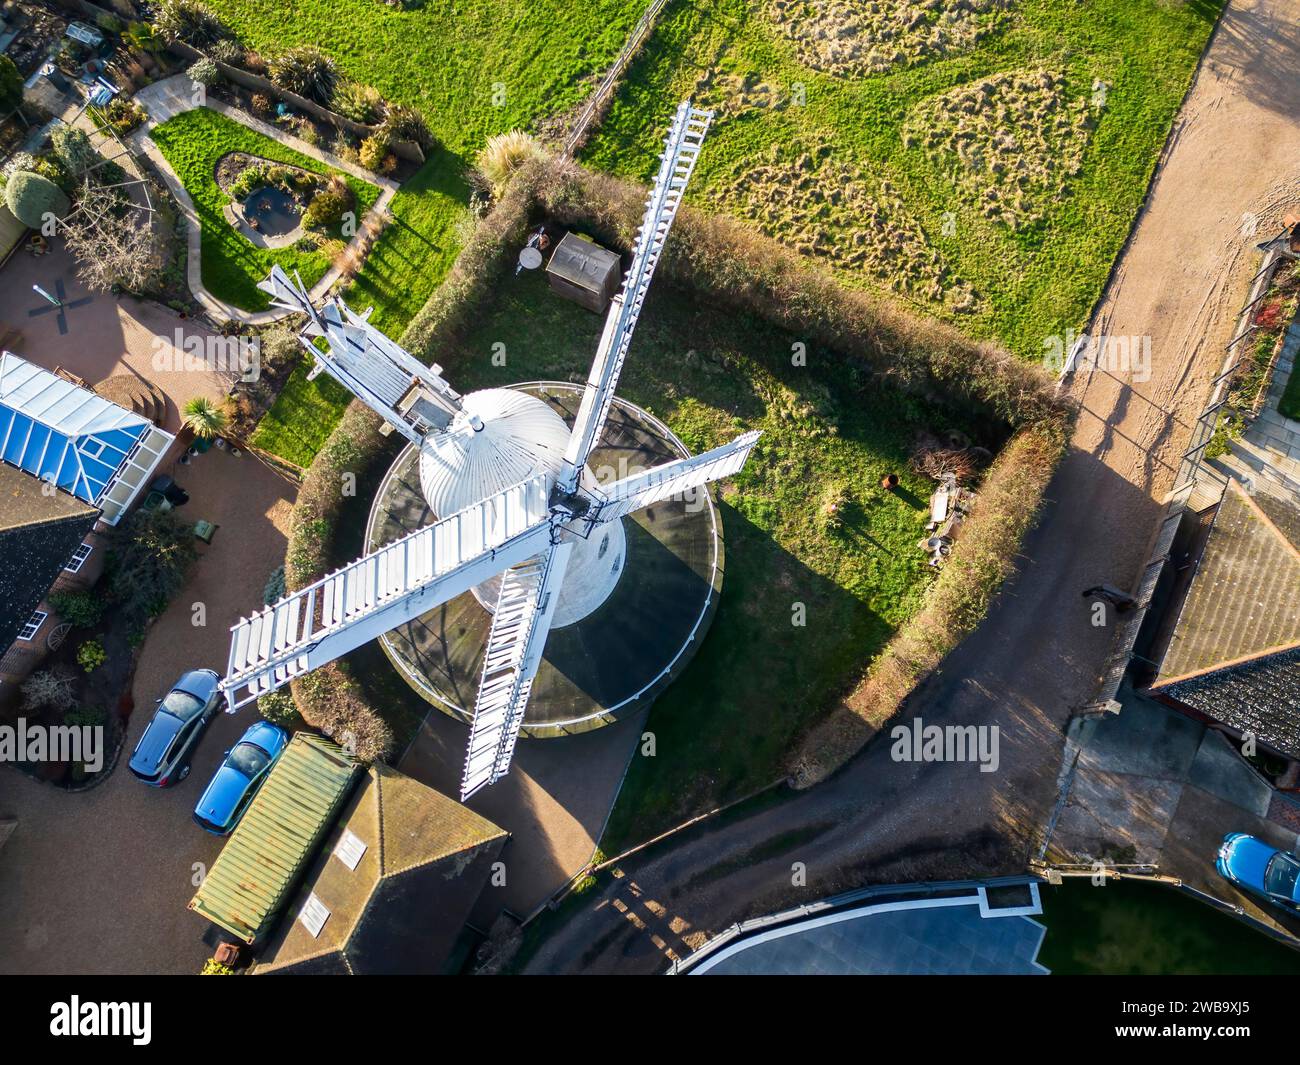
column 1261, row 869
column 232, row 788
column 161, row 757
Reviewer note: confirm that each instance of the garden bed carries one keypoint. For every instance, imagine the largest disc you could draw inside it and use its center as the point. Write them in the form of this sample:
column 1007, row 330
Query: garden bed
column 194, row 143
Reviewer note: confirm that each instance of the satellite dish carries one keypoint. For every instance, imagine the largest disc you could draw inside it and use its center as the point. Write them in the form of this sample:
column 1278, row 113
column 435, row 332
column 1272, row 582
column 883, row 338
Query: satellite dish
column 530, row 258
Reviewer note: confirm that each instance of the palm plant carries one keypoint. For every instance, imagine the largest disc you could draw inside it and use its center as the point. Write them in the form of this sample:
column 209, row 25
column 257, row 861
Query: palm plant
column 306, row 71
column 204, row 418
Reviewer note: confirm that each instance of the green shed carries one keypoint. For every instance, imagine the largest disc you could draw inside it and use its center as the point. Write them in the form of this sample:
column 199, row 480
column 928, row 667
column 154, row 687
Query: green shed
column 253, row 878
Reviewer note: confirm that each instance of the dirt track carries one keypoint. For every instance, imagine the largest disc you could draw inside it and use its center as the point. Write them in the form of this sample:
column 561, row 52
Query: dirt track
column 1235, row 150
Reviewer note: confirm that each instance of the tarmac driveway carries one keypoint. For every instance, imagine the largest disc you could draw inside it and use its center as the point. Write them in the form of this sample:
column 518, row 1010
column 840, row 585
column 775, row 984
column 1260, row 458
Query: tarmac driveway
column 97, row 881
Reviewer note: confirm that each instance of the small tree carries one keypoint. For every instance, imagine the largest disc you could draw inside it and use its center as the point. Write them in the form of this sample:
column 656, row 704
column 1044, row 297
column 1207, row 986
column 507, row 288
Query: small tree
column 503, row 155
column 48, row 689
column 34, row 199
column 11, row 86
column 112, row 241
column 204, row 418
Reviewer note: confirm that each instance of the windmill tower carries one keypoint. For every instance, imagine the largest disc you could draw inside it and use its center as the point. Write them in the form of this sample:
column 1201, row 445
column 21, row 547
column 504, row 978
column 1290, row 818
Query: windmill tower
column 520, row 519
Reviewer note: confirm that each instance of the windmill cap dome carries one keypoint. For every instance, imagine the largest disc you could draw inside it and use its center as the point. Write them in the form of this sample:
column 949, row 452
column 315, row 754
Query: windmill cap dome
column 499, row 438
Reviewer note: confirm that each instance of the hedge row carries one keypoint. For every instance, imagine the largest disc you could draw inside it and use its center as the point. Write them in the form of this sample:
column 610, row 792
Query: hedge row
column 1006, row 508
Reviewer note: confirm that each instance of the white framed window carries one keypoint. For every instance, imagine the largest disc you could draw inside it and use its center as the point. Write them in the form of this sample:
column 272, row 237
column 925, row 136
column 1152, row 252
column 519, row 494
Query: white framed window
column 33, row 625
column 93, row 448
column 78, row 558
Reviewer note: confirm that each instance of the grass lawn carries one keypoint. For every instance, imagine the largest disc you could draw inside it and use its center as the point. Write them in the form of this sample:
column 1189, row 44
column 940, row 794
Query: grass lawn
column 758, row 679
column 475, row 68
column 1143, row 929
column 192, row 143
column 410, row 259
column 900, row 181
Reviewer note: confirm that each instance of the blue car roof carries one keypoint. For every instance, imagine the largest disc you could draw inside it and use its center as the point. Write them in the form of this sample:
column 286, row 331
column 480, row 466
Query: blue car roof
column 1249, row 859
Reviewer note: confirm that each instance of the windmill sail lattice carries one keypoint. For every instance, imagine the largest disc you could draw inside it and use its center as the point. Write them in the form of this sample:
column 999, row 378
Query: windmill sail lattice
column 676, row 165
column 527, row 534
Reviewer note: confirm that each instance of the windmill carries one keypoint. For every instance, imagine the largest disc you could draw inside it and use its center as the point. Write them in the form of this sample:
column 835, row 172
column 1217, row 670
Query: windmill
column 517, row 507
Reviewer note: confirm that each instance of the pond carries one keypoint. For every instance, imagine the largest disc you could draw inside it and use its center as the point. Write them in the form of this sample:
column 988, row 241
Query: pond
column 275, row 211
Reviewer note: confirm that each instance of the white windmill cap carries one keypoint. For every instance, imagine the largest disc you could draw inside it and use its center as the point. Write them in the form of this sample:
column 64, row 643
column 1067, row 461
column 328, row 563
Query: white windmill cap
column 499, row 438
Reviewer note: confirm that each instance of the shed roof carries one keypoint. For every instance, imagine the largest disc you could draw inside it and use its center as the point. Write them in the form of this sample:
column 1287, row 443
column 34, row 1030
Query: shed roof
column 249, row 883
column 583, row 263
column 403, row 907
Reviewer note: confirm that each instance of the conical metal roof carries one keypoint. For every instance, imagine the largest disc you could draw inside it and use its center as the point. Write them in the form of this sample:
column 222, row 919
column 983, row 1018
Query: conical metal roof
column 500, row 438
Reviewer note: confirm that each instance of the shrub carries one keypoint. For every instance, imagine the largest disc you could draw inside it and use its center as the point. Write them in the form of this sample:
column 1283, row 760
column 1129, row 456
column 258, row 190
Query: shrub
column 374, row 150
column 212, row 967
column 328, row 206
column 125, row 116
column 503, row 155
column 227, row 50
column 91, row 655
column 151, row 555
column 48, row 689
column 73, row 148
column 82, row 609
column 189, row 21
column 11, row 85
column 33, row 199
column 278, row 708
column 204, row 72
column 86, row 716
column 360, row 103
column 143, row 36
column 331, row 701
column 307, row 71
column 405, row 123
column 278, row 350
column 261, row 103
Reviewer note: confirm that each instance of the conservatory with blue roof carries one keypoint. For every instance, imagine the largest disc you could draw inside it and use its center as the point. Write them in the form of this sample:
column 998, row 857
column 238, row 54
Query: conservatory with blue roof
column 68, row 436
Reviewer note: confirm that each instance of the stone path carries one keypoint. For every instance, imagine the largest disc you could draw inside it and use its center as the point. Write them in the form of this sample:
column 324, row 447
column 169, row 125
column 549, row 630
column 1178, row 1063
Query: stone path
column 172, row 96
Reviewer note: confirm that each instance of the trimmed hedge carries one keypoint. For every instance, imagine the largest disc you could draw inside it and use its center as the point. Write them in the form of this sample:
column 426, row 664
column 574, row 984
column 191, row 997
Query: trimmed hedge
column 751, row 273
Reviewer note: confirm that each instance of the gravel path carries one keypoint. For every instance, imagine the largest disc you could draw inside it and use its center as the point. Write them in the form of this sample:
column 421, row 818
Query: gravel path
column 1235, row 150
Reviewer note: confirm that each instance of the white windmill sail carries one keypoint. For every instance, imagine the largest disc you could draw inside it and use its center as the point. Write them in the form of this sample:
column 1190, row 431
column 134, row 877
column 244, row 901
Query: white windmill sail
column 520, row 625
column 673, row 478
column 410, row 396
column 385, row 589
column 681, row 149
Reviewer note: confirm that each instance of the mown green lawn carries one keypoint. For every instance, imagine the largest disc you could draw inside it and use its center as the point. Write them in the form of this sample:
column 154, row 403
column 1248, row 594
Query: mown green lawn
column 410, row 259
column 192, row 144
column 1031, row 282
column 726, row 725
column 474, row 68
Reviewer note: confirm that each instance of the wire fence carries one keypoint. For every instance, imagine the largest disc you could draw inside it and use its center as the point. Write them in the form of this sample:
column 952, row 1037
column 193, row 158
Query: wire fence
column 594, row 107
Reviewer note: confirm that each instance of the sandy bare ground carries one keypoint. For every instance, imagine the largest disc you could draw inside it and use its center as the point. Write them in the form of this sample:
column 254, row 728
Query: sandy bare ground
column 1235, row 151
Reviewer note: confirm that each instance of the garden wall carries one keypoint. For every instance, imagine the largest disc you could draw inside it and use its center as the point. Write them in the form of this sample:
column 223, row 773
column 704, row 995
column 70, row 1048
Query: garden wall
column 407, row 150
column 753, row 274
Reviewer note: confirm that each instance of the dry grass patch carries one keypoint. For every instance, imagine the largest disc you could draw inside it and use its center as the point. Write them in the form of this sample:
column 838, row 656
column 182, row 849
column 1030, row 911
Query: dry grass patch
column 856, row 37
column 824, row 209
column 1010, row 143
